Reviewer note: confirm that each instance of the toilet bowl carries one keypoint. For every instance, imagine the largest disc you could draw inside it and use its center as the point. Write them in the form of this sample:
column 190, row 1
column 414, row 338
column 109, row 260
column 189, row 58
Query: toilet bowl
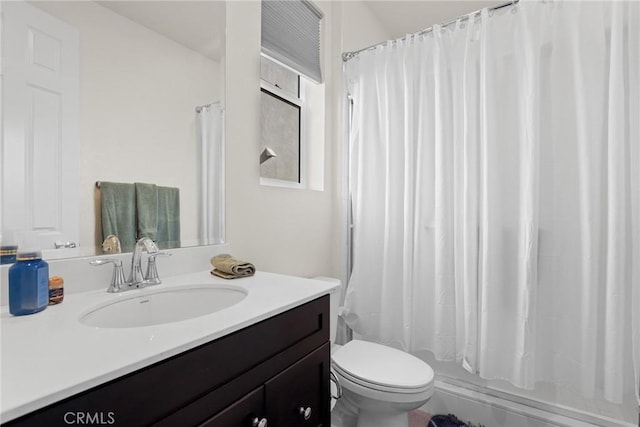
column 379, row 384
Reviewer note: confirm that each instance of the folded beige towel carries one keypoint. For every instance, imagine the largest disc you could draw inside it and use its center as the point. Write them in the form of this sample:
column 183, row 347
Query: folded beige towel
column 228, row 267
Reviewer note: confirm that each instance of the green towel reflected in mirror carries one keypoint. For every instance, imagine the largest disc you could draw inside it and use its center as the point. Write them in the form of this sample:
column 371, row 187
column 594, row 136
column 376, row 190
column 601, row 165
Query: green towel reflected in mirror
column 118, row 209
column 132, row 211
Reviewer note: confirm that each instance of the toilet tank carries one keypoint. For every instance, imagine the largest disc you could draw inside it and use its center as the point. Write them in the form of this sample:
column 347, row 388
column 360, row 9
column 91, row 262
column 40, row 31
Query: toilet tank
column 334, row 305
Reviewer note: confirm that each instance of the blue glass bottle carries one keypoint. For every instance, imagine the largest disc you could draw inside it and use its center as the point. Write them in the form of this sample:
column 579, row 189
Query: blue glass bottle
column 28, row 284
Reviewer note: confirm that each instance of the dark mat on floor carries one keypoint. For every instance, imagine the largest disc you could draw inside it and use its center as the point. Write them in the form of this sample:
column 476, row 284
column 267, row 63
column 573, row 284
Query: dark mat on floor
column 449, row 420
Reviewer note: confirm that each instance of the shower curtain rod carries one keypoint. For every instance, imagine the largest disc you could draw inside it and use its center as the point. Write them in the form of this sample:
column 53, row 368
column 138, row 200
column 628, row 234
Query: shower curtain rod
column 346, row 56
column 200, row 107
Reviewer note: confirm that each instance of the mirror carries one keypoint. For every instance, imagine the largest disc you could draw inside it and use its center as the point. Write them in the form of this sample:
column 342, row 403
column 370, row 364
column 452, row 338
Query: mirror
column 146, row 84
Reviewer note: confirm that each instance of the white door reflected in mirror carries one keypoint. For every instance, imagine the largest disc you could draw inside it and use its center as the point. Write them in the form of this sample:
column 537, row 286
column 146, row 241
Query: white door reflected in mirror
column 40, row 162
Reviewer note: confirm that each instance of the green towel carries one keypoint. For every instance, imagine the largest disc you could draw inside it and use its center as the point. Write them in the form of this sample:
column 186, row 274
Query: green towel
column 158, row 211
column 168, row 217
column 117, row 203
column 147, row 210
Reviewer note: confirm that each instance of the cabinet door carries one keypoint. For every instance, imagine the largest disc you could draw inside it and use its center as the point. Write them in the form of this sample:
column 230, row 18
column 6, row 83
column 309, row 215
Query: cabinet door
column 299, row 396
column 245, row 412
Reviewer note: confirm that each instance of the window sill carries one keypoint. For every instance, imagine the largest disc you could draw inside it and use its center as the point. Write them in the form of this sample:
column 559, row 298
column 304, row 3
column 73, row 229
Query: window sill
column 270, row 182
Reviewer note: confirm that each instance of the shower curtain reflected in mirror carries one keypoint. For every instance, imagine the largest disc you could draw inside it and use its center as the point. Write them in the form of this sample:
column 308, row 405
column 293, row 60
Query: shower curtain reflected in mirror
column 495, row 183
column 210, row 135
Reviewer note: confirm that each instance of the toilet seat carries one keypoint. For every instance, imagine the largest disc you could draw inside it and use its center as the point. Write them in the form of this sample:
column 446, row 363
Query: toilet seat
column 382, row 368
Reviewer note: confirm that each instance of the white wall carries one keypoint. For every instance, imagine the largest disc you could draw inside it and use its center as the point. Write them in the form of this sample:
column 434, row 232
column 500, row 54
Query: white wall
column 283, row 230
column 138, row 92
column 280, row 230
column 361, row 28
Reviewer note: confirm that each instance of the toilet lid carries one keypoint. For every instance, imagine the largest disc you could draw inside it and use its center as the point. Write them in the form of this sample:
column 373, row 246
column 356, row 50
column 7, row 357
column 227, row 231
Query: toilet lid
column 376, row 364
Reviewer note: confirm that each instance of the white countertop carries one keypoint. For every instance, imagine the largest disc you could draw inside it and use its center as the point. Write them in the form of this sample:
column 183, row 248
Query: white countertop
column 48, row 356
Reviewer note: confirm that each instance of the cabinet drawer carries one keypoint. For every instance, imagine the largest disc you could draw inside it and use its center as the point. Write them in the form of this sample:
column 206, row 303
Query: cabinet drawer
column 153, row 393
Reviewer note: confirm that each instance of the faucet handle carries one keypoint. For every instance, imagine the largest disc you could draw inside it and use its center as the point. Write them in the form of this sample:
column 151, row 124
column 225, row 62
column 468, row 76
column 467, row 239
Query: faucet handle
column 117, row 278
column 151, row 277
column 148, row 244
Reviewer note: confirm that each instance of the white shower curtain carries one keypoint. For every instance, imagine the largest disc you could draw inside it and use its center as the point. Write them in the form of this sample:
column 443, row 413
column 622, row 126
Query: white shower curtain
column 495, row 184
column 210, row 138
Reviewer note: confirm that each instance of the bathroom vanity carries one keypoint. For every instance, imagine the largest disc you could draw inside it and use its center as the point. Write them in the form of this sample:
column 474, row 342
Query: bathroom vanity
column 272, row 369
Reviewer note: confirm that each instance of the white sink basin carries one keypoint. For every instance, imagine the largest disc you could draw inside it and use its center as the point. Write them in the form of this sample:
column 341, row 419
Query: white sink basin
column 163, row 306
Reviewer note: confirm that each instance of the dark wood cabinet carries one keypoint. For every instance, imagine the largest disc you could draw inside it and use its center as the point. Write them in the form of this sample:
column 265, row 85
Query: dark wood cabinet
column 246, row 412
column 292, row 398
column 297, row 396
column 277, row 370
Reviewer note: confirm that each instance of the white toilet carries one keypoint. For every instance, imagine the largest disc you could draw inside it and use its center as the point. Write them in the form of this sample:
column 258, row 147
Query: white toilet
column 380, row 384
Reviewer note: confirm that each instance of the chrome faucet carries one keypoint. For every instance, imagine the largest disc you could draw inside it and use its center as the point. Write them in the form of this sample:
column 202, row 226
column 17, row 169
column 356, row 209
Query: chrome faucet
column 136, row 279
column 151, row 278
column 118, row 283
column 135, row 275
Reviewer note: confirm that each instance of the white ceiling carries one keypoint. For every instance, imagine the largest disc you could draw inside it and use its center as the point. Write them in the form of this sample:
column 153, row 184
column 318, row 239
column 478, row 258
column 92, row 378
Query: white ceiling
column 401, row 17
column 198, row 25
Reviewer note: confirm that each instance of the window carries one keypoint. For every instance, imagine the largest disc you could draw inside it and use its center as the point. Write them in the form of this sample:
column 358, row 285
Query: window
column 281, row 124
column 292, row 95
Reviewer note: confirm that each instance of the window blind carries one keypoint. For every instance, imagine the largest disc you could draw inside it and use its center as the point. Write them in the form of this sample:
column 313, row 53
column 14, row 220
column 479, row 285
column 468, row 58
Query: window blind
column 291, row 35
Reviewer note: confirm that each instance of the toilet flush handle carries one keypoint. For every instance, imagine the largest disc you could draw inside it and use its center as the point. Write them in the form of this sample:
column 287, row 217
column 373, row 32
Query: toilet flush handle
column 305, row 412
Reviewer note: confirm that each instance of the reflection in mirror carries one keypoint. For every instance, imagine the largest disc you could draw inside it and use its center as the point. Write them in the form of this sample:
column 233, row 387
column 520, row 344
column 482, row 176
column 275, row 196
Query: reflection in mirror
column 111, row 91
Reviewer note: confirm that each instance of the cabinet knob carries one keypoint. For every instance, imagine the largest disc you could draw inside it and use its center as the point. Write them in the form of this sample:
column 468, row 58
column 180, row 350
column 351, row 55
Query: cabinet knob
column 256, row 422
column 305, row 412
